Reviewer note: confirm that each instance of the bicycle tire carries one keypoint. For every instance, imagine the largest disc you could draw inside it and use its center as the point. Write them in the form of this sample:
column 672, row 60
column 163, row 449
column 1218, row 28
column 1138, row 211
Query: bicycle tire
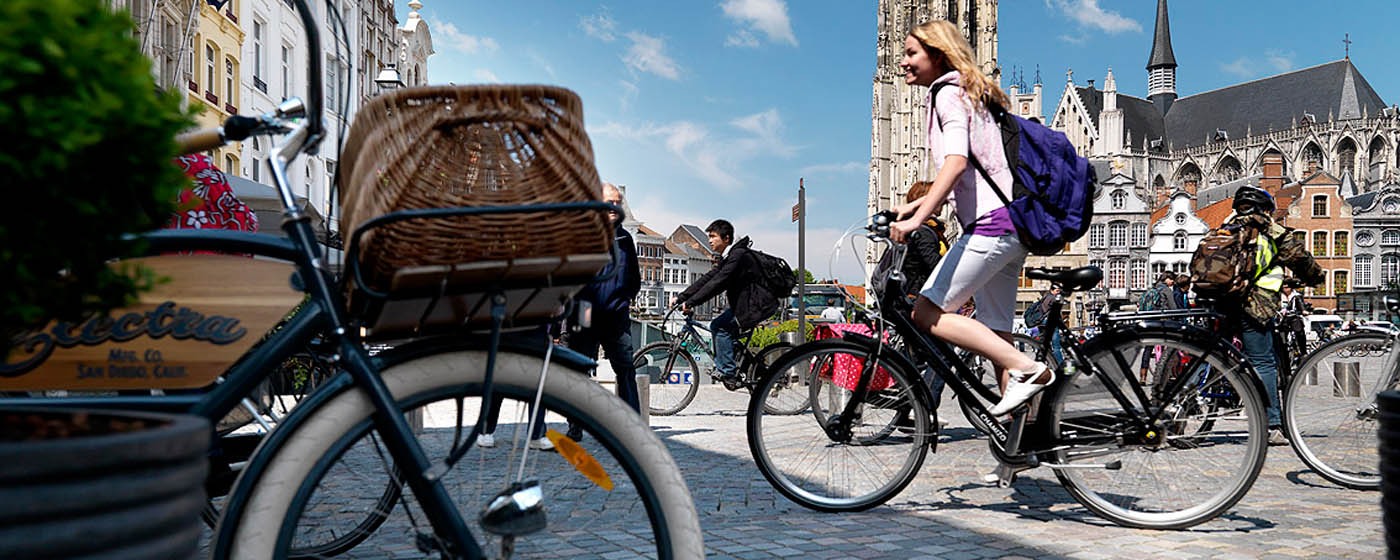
column 446, row 386
column 660, row 364
column 1332, row 420
column 1149, row 489
column 789, row 449
column 766, row 357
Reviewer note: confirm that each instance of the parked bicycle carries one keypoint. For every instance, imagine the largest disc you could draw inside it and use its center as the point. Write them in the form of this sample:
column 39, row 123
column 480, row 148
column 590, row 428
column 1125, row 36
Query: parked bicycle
column 404, row 414
column 1128, row 454
column 1330, row 410
column 676, row 375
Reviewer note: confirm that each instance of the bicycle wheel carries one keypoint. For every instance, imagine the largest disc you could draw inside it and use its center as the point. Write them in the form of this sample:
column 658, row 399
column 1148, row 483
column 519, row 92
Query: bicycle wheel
column 326, row 454
column 796, row 385
column 1191, row 466
column 1329, row 408
column 675, row 377
column 855, row 473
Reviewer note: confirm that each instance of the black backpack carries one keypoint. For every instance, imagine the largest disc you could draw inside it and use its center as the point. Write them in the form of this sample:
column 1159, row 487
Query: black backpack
column 773, row 274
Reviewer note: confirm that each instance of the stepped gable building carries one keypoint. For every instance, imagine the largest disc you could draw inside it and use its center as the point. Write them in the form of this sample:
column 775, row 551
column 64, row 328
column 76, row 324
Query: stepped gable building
column 1326, row 116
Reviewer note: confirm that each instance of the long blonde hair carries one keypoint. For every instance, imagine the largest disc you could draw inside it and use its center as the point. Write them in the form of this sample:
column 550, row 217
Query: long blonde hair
column 942, row 37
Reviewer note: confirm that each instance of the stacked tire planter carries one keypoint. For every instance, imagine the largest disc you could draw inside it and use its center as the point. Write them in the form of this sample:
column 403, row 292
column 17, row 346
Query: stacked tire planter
column 101, row 484
column 1389, row 404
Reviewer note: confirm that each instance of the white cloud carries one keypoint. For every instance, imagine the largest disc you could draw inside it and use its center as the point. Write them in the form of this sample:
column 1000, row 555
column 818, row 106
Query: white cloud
column 836, row 168
column 1272, row 61
column 648, row 54
column 486, row 76
column 447, row 34
column 767, row 16
column 714, row 160
column 599, row 26
column 629, row 94
column 1088, row 13
column 1074, row 39
column 741, row 38
column 1280, row 61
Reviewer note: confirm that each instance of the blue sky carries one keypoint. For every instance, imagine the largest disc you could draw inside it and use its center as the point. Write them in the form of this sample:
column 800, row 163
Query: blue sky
column 708, row 109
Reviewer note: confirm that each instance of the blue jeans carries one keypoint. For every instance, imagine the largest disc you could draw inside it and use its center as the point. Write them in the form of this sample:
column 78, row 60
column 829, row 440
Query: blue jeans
column 1259, row 348
column 725, row 331
column 1055, row 347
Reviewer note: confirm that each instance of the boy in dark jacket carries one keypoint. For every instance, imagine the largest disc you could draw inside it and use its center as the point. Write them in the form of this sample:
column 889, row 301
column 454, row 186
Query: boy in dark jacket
column 611, row 295
column 749, row 303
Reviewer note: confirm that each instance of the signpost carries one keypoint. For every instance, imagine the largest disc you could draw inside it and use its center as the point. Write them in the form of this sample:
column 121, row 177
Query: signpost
column 799, row 215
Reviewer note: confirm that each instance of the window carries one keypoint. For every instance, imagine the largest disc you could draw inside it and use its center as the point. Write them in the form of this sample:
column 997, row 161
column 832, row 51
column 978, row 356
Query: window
column 1319, row 206
column 1179, row 267
column 230, row 164
column 209, row 62
column 229, row 81
column 332, row 85
column 1390, row 269
column 1339, row 282
column 1139, row 274
column 1118, row 273
column 286, row 71
column 1179, row 241
column 1025, row 282
column 1096, row 239
column 1158, row 268
column 1140, row 235
column 1390, row 237
column 1301, row 238
column 1120, row 198
column 1339, row 244
column 1118, row 234
column 1096, row 263
column 1319, row 244
column 1362, row 269
column 253, row 168
column 258, row 50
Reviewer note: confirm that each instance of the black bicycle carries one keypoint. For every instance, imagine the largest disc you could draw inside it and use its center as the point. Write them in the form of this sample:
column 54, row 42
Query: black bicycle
column 401, row 422
column 1126, row 452
column 675, row 375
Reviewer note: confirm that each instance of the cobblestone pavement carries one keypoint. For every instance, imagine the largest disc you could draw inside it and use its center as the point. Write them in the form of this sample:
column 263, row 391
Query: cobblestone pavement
column 949, row 513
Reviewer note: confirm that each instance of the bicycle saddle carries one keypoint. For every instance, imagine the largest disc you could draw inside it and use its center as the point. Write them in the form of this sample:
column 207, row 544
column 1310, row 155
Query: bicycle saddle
column 1073, row 280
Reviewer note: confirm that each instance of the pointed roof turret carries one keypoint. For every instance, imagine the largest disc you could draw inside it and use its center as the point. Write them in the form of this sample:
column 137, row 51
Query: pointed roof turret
column 1162, row 41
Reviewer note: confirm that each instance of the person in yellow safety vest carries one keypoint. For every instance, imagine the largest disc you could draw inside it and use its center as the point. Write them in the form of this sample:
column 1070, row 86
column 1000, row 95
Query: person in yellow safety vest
column 1253, row 315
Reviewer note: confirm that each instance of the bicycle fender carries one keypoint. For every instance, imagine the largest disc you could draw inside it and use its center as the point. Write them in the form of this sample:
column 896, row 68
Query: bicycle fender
column 523, row 345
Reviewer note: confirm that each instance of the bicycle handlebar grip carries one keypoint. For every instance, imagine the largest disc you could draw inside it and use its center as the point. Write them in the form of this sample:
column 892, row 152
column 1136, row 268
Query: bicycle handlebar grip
column 201, row 140
column 238, row 128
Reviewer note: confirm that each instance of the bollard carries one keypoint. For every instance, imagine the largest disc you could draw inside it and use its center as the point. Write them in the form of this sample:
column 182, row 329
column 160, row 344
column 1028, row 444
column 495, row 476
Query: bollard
column 1389, row 404
column 644, row 397
column 790, row 337
column 1346, row 379
column 1310, row 376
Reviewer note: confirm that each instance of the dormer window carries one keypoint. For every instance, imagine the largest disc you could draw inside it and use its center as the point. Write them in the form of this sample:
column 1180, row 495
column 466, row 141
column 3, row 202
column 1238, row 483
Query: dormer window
column 1120, row 199
column 1308, row 118
column 1221, row 135
column 1155, row 144
column 1180, row 219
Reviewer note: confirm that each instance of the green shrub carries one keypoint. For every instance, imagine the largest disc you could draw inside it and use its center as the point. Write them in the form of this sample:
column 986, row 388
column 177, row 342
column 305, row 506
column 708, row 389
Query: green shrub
column 765, row 335
column 85, row 155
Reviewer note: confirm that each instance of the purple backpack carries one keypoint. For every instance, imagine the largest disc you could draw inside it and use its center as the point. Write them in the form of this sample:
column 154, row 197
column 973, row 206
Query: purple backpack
column 1052, row 198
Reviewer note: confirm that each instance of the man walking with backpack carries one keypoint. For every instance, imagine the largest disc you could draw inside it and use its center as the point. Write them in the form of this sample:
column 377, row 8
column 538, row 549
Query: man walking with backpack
column 739, row 277
column 1251, row 304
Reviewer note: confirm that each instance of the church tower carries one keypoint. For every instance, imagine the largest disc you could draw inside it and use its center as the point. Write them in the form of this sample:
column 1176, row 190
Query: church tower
column 1161, row 65
column 899, row 112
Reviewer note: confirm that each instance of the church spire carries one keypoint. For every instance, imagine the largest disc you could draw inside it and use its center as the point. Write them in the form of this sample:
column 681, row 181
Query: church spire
column 1161, row 64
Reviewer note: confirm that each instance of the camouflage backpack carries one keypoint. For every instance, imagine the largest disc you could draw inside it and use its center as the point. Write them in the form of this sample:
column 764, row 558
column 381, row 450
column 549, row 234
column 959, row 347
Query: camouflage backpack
column 1223, row 265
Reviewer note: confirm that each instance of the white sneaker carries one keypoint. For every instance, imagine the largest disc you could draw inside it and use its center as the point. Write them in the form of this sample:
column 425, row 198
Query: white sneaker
column 1021, row 388
column 542, row 444
column 485, row 440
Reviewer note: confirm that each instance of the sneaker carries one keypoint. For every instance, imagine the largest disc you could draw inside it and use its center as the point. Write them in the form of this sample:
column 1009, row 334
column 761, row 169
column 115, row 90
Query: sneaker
column 485, row 440
column 542, row 444
column 1277, row 437
column 575, row 433
column 731, row 382
column 1022, row 386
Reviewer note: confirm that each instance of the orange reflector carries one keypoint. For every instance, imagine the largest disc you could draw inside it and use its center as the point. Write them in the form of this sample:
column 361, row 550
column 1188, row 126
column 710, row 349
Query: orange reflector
column 579, row 457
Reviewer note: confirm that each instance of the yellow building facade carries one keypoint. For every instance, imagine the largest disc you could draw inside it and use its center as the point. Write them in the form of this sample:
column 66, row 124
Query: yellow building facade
column 214, row 83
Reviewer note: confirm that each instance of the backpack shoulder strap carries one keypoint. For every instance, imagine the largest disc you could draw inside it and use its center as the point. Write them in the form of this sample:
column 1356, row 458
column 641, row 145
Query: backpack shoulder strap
column 998, row 114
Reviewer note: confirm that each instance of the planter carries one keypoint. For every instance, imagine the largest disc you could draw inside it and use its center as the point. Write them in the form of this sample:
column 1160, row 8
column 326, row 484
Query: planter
column 101, row 484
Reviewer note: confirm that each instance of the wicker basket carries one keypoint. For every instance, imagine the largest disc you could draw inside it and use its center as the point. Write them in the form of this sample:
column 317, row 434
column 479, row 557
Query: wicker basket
column 450, row 146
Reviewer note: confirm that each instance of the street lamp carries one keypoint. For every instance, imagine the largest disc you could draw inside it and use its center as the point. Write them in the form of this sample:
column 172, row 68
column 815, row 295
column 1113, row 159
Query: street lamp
column 388, row 78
